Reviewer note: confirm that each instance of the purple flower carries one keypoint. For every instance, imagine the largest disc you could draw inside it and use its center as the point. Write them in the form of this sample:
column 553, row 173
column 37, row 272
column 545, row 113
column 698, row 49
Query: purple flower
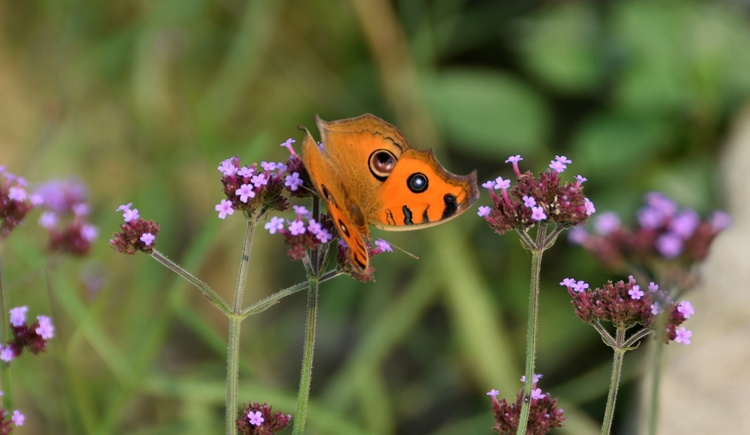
column 276, row 224
column 60, row 195
column 246, row 172
column 537, row 376
column 6, row 353
column 536, row 394
column 580, row 286
column 577, row 235
column 686, row 308
column 297, row 228
column 148, row 238
column 529, row 201
column 18, row 418
column 493, row 393
column 300, row 210
column 36, row 199
column 568, row 282
column 665, row 205
column 558, row 165
column 45, row 330
column 649, row 217
column 537, row 214
column 484, row 210
column 245, row 192
column 293, row 182
column 18, row 316
column 259, row 180
column 669, row 245
column 324, row 236
column 655, row 309
column 81, row 209
column 383, row 245
column 684, row 223
column 683, row 335
column 256, row 418
column 590, row 209
column 564, row 160
column 580, row 179
column 288, row 144
column 720, row 220
column 489, row 184
column 268, row 166
column 48, row 220
column 500, row 183
column 128, row 214
column 653, row 287
column 224, row 208
column 635, row 292
column 227, row 167
column 514, row 159
column 89, row 232
column 606, row 223
column 17, row 194
column 314, row 227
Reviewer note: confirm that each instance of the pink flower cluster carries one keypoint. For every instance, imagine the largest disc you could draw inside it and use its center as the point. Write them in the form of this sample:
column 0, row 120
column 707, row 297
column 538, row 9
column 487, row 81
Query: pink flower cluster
column 663, row 231
column 65, row 216
column 137, row 234
column 32, row 337
column 543, row 417
column 255, row 189
column 303, row 233
column 15, row 201
column 625, row 304
column 259, row 419
column 530, row 201
column 7, row 419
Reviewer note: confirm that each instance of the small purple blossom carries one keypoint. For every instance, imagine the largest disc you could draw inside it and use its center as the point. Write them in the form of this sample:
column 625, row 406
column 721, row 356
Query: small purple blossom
column 580, row 286
column 148, row 238
column 81, row 209
column 557, row 166
column 489, row 184
column 636, row 292
column 228, row 167
column 259, row 180
column 246, row 172
column 577, row 235
column 18, row 418
column 297, row 228
column 606, row 223
column 300, row 210
column 564, row 160
column 288, row 144
column 493, row 393
column 89, row 232
column 7, row 354
column 514, row 159
column 293, row 181
column 683, row 335
column 275, row 224
column 580, row 179
column 383, row 245
column 324, row 236
column 529, row 201
column 314, row 227
column 662, row 203
column 224, row 208
column 48, row 220
column 245, row 192
column 483, row 211
column 128, row 214
column 590, row 209
column 268, row 166
column 256, row 418
column 36, row 199
column 669, row 245
column 656, row 309
column 686, row 308
column 536, row 394
column 537, row 214
column 649, row 217
column 537, row 376
column 17, row 194
column 501, row 183
column 653, row 287
column 18, row 316
column 685, row 223
column 568, row 282
column 45, row 330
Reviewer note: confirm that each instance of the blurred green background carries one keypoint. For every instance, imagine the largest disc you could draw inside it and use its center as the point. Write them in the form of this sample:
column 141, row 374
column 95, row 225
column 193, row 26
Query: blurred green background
column 142, row 99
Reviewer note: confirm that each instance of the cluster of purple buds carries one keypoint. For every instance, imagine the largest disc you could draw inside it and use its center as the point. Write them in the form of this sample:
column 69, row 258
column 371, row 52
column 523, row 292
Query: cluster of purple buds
column 15, row 201
column 258, row 419
column 530, row 201
column 625, row 304
column 137, row 234
column 65, row 216
column 543, row 417
column 373, row 249
column 303, row 233
column 32, row 337
column 7, row 420
column 664, row 231
column 259, row 188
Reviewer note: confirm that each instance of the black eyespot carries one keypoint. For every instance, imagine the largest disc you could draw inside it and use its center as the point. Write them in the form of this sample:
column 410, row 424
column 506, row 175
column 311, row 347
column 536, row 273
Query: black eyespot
column 343, row 228
column 382, row 163
column 417, row 182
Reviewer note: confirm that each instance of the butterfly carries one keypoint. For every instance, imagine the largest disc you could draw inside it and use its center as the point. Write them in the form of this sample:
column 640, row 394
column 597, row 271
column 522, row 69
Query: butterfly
column 367, row 174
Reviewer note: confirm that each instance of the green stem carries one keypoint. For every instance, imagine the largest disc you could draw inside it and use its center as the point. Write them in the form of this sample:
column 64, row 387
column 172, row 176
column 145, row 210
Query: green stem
column 7, row 397
column 307, row 357
column 275, row 298
column 210, row 294
column 653, row 399
column 531, row 329
column 614, row 382
column 235, row 321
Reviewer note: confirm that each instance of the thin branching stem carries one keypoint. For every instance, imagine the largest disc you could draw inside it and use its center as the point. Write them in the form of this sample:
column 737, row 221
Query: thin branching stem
column 307, row 357
column 275, row 298
column 531, row 330
column 7, row 397
column 614, row 382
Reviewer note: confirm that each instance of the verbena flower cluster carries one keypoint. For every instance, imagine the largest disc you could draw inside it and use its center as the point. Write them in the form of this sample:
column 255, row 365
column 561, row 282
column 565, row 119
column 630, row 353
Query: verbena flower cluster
column 15, row 201
column 254, row 189
column 137, row 234
column 303, row 233
column 65, row 216
column 663, row 232
column 373, row 249
column 533, row 200
column 625, row 304
column 259, row 419
column 543, row 417
column 31, row 337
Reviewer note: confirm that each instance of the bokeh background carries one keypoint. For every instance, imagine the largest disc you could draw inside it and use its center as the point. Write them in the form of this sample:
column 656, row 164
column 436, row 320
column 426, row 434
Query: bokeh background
column 141, row 100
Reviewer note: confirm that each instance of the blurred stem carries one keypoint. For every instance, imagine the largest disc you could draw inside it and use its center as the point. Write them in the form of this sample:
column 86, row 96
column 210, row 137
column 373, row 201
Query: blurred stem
column 531, row 329
column 307, row 357
column 614, row 382
column 235, row 321
column 7, row 397
column 208, row 292
column 657, row 352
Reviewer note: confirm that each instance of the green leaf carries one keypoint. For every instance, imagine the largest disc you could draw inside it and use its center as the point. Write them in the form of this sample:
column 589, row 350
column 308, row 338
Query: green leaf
column 489, row 113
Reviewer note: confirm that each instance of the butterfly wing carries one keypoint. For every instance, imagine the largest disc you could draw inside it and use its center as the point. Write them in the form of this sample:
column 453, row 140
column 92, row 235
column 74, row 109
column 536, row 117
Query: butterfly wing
column 420, row 193
column 344, row 209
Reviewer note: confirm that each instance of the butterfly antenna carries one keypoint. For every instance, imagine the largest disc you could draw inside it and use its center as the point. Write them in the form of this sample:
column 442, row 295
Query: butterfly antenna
column 404, row 251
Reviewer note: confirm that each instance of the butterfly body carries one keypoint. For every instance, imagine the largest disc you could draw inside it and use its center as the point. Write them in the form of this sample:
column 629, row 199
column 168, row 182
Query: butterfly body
column 367, row 174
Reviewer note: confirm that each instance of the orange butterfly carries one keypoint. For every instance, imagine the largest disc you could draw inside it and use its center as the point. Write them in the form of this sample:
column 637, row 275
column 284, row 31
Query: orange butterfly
column 367, row 173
